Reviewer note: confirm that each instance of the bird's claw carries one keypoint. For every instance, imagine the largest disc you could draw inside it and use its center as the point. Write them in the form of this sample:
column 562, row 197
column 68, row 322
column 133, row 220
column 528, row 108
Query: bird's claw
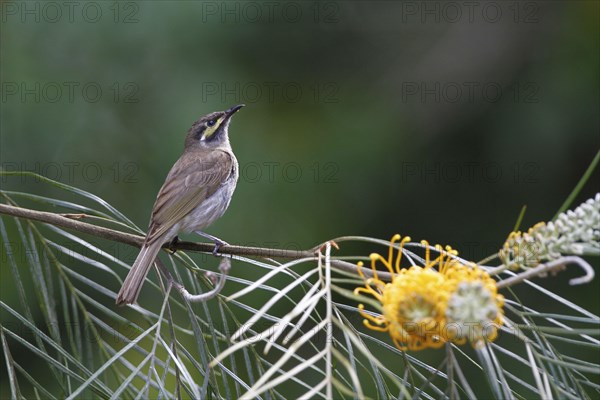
column 218, row 245
column 173, row 244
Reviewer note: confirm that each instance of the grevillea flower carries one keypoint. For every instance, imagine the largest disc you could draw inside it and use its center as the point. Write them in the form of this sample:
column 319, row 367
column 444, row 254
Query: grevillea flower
column 427, row 306
column 575, row 232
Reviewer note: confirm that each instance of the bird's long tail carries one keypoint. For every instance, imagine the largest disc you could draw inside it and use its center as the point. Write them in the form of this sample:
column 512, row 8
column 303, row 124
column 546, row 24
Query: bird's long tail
column 137, row 274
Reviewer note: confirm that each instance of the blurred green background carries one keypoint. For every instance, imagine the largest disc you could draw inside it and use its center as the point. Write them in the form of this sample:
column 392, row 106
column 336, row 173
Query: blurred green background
column 430, row 119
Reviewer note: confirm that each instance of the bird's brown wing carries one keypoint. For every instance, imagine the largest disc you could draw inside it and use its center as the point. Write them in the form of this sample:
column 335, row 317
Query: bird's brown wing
column 190, row 181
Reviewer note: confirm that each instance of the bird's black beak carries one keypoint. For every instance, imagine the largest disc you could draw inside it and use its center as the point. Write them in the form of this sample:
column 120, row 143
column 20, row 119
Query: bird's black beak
column 233, row 110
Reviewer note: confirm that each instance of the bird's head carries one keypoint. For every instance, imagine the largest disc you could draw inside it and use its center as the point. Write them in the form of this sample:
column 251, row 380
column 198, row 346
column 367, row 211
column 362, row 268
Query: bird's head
column 211, row 131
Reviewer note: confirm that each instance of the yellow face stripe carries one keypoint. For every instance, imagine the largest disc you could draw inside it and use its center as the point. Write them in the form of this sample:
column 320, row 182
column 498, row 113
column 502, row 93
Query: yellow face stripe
column 210, row 130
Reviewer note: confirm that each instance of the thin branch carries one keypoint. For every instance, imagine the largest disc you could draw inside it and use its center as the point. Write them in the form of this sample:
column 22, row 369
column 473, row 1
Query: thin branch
column 69, row 221
column 543, row 269
column 72, row 221
column 352, row 268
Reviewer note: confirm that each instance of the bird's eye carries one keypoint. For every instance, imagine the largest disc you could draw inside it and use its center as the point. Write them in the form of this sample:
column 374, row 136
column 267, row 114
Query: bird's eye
column 212, row 122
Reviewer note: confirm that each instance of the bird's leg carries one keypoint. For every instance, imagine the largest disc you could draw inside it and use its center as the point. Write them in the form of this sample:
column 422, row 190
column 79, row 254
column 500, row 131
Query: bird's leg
column 173, row 243
column 218, row 242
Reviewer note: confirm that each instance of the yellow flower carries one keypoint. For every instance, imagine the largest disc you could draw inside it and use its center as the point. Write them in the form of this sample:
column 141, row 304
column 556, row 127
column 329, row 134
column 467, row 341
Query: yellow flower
column 427, row 306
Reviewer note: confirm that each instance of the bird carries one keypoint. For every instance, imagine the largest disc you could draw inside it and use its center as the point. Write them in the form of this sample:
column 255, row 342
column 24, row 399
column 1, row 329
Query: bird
column 196, row 192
